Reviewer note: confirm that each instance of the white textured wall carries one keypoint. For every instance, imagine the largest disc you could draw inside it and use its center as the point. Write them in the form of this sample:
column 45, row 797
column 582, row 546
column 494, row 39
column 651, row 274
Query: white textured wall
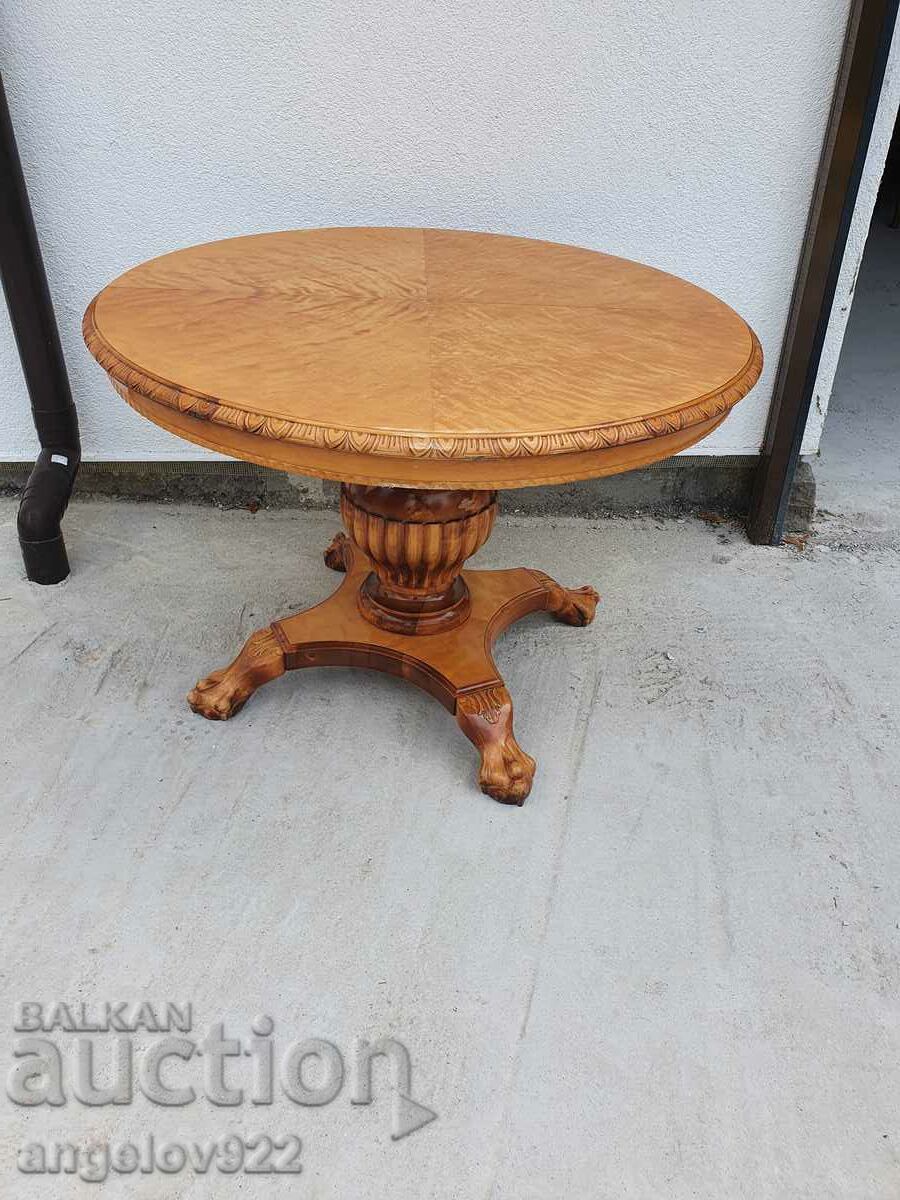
column 682, row 132
column 856, row 244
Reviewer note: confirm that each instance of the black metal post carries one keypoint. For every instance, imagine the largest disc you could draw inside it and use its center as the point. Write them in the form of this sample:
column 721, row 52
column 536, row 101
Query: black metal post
column 49, row 486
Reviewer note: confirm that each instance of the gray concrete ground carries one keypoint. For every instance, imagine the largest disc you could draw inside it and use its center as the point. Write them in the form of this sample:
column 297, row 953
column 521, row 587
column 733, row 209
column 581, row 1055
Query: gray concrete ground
column 674, row 973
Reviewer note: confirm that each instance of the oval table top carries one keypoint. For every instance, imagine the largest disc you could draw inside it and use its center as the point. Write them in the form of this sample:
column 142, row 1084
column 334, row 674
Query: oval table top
column 425, row 358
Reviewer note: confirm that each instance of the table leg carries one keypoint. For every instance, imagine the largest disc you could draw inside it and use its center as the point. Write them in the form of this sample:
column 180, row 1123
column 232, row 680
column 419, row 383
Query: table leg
column 225, row 692
column 406, row 607
column 485, row 717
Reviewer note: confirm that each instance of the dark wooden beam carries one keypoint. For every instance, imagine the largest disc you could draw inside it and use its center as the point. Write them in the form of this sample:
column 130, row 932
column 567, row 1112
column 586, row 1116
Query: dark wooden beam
column 846, row 146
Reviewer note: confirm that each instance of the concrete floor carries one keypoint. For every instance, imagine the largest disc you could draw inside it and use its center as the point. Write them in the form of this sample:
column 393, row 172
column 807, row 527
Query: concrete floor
column 674, row 973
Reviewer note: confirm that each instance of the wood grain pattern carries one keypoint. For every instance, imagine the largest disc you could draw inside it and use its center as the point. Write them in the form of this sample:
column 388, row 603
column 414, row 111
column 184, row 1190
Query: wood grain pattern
column 425, row 369
column 441, row 474
column 418, row 549
column 436, row 347
column 417, row 543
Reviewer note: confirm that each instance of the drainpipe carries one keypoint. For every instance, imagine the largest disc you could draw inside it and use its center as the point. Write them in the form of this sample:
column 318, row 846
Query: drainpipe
column 50, row 483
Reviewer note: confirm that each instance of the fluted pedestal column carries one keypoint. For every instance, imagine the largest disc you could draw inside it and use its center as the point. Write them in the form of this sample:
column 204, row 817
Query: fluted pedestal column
column 409, row 608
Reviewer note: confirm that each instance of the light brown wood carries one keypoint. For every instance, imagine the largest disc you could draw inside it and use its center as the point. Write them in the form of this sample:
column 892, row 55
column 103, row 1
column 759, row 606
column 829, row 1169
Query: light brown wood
column 455, row 665
column 413, row 473
column 447, row 353
column 425, row 369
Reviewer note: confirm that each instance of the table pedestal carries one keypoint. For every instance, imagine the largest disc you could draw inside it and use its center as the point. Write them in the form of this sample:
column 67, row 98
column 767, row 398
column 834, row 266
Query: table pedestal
column 408, row 608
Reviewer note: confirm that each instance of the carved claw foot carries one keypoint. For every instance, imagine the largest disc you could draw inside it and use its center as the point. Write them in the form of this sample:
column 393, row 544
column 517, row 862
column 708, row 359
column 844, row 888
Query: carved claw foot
column 223, row 693
column 337, row 554
column 573, row 606
column 485, row 717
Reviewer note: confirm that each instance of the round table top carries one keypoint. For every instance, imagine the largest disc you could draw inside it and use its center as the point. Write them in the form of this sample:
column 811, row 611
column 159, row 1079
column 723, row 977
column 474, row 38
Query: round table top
column 422, row 357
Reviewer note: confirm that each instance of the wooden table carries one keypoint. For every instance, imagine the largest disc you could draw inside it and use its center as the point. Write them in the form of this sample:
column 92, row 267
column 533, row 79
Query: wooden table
column 425, row 370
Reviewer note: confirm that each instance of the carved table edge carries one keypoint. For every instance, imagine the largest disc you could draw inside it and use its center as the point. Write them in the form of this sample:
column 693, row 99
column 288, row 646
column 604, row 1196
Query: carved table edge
column 415, row 444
